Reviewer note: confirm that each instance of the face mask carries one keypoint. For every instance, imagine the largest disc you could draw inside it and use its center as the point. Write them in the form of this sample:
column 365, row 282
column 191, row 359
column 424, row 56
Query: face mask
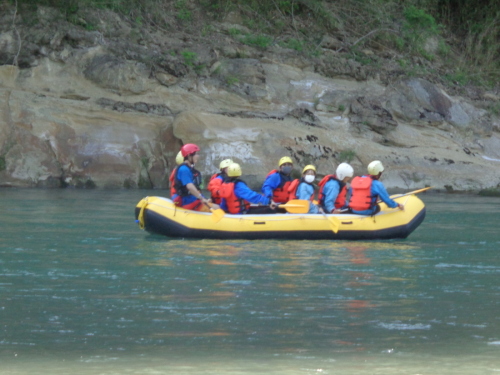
column 309, row 178
column 286, row 170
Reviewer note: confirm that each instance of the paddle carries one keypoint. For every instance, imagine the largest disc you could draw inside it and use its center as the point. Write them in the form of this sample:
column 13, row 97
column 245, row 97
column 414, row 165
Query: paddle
column 412, row 192
column 398, row 196
column 217, row 213
column 296, row 206
column 301, row 206
column 333, row 222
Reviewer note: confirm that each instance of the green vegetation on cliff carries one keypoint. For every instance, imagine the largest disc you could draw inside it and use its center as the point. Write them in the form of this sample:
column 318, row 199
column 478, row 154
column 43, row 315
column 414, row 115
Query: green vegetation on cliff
column 458, row 36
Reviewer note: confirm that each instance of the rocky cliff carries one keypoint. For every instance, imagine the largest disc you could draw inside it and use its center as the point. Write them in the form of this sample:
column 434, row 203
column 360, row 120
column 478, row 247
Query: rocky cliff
column 110, row 107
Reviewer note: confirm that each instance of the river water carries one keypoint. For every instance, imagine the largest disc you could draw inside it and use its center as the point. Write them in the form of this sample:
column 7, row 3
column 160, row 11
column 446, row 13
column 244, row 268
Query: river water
column 84, row 291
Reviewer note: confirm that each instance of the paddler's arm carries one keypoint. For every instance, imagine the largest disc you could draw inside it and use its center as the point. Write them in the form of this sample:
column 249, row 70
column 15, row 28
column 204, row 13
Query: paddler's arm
column 242, row 191
column 270, row 183
column 331, row 191
column 194, row 191
column 379, row 190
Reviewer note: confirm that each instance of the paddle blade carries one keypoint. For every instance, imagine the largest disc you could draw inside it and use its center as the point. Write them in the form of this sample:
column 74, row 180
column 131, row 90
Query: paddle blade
column 333, row 222
column 296, row 206
column 217, row 214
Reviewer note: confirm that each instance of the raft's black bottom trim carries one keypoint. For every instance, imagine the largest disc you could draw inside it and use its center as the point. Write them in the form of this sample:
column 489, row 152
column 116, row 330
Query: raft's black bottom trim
column 159, row 224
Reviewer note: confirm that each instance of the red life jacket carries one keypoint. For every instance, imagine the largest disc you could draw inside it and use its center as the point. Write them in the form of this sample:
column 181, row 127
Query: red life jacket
column 281, row 194
column 171, row 182
column 361, row 198
column 340, row 201
column 235, row 205
column 292, row 190
column 214, row 187
column 195, row 206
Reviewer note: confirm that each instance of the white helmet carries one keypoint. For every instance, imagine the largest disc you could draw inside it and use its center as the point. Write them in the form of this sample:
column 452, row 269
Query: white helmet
column 375, row 167
column 225, row 163
column 179, row 159
column 344, row 170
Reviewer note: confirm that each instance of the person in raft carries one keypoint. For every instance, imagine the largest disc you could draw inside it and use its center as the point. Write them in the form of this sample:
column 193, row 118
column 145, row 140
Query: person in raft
column 188, row 181
column 217, row 179
column 179, row 159
column 277, row 182
column 366, row 190
column 304, row 188
column 237, row 196
column 333, row 189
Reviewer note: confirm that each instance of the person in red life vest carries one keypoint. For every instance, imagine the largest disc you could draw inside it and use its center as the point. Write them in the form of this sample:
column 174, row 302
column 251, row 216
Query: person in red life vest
column 333, row 189
column 179, row 159
column 237, row 196
column 217, row 179
column 304, row 188
column 366, row 190
column 188, row 181
column 277, row 182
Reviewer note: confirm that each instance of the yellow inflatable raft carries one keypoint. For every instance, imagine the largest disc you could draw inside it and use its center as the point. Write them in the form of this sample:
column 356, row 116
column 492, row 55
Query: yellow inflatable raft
column 160, row 215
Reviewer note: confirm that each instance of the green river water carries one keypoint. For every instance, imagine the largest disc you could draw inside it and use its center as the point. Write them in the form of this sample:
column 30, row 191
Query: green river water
column 84, row 291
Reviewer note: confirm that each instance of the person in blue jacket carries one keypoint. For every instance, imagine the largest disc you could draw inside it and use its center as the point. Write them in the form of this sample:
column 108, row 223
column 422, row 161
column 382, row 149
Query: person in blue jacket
column 237, row 196
column 277, row 183
column 187, row 182
column 305, row 188
column 332, row 195
column 366, row 190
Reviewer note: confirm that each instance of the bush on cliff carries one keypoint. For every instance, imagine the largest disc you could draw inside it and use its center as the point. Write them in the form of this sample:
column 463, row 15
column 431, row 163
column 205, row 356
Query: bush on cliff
column 464, row 34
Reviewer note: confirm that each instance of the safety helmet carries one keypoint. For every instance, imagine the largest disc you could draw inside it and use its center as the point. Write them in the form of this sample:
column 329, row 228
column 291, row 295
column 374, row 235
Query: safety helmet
column 375, row 167
column 307, row 167
column 344, row 170
column 188, row 149
column 179, row 159
column 285, row 159
column 234, row 170
column 225, row 163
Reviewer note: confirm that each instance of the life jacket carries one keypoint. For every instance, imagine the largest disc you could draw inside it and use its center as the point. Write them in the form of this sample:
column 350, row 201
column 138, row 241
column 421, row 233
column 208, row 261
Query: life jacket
column 340, row 201
column 182, row 190
column 235, row 205
column 195, row 206
column 281, row 194
column 292, row 190
column 171, row 182
column 214, row 186
column 361, row 198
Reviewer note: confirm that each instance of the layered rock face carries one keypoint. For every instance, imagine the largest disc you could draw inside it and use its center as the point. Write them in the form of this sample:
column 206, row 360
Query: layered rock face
column 86, row 110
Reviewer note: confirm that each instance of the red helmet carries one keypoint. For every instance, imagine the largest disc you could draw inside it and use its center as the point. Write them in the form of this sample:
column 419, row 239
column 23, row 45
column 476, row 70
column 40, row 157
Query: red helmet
column 188, row 149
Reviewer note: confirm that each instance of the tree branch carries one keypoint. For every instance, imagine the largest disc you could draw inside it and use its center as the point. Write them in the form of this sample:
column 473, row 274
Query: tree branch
column 19, row 42
column 367, row 35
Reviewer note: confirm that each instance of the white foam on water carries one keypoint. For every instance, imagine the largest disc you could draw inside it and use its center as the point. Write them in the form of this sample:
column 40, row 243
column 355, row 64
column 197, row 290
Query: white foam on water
column 402, row 326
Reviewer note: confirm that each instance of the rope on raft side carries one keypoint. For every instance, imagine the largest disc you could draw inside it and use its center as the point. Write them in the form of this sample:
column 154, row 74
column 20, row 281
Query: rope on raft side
column 140, row 217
